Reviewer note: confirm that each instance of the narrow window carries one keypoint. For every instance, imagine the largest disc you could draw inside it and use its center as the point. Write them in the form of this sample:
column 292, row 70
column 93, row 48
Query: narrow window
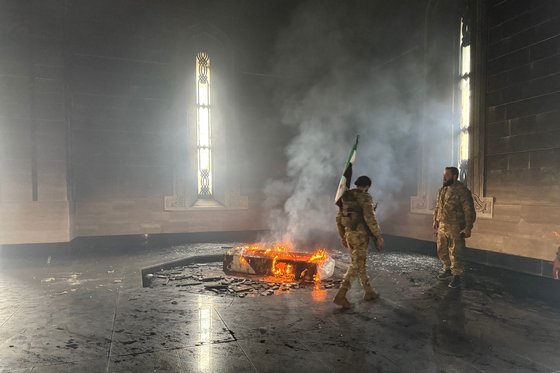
column 204, row 128
column 464, row 99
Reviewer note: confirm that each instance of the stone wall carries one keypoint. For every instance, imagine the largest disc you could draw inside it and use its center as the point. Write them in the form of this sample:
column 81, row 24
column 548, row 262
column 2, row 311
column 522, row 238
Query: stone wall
column 92, row 133
column 147, row 216
column 96, row 124
column 521, row 131
column 34, row 203
column 523, row 127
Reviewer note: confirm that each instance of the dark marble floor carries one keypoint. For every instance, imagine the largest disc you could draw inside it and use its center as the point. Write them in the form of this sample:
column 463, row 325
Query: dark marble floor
column 89, row 313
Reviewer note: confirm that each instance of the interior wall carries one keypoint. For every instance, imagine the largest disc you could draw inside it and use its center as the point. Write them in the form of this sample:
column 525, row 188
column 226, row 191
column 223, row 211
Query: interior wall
column 34, row 204
column 521, row 133
column 93, row 124
column 523, row 128
column 121, row 114
column 436, row 135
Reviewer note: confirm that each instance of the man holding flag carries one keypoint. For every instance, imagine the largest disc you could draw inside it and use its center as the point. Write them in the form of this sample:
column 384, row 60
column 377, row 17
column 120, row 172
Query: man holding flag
column 356, row 222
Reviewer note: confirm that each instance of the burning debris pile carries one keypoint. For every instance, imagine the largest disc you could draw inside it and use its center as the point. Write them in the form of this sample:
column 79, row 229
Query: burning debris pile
column 279, row 261
column 253, row 270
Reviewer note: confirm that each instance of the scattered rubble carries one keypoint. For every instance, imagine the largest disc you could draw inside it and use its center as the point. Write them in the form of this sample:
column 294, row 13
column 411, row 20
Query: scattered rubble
column 209, row 278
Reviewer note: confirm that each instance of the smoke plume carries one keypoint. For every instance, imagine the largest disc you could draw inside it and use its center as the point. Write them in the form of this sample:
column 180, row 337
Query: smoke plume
column 348, row 68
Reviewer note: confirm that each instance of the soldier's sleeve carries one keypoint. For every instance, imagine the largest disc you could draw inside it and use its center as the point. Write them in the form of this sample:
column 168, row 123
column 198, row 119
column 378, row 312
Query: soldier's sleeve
column 339, row 226
column 366, row 203
column 438, row 199
column 468, row 208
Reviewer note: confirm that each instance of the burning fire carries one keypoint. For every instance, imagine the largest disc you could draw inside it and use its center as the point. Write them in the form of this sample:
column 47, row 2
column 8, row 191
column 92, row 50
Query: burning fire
column 281, row 269
column 280, row 252
column 318, row 256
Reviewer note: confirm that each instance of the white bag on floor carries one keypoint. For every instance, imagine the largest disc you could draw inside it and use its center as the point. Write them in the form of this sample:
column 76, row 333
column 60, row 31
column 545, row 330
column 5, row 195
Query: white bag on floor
column 326, row 269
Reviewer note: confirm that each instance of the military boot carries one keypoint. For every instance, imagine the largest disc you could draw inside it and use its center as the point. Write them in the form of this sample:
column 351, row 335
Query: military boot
column 341, row 300
column 457, row 282
column 445, row 274
column 370, row 294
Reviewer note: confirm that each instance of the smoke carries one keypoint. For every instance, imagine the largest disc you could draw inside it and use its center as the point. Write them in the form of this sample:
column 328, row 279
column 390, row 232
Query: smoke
column 348, row 68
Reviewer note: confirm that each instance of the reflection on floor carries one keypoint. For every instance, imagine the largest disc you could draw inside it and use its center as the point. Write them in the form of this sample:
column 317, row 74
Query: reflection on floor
column 91, row 314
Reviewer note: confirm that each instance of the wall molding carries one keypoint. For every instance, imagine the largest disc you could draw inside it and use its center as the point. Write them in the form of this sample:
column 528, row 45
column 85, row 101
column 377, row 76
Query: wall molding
column 419, row 205
column 181, row 201
column 484, row 206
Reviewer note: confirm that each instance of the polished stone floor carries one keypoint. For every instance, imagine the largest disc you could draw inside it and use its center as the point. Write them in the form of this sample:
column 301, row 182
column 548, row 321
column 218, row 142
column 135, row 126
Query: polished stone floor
column 90, row 313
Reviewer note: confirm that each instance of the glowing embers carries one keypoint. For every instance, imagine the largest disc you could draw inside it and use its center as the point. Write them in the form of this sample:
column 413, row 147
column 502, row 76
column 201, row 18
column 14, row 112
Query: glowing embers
column 279, row 261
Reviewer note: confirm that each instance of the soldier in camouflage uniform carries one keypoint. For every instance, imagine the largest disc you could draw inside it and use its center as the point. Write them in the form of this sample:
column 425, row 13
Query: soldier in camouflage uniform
column 454, row 218
column 556, row 266
column 356, row 222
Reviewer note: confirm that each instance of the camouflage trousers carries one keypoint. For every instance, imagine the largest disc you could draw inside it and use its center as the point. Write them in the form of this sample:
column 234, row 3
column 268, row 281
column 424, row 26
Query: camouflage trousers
column 450, row 247
column 358, row 244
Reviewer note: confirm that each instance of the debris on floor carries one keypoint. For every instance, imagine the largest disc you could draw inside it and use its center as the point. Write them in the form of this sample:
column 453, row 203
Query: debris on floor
column 209, row 278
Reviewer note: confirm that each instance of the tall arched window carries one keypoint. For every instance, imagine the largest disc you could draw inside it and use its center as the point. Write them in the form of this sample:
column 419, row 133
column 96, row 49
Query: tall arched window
column 464, row 98
column 204, row 125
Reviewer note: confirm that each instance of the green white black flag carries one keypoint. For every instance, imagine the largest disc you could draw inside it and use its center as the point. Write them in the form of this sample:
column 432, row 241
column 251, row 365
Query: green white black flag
column 344, row 183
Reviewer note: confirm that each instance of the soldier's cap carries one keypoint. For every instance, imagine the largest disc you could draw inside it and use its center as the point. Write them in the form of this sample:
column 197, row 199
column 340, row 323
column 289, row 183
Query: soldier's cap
column 363, row 181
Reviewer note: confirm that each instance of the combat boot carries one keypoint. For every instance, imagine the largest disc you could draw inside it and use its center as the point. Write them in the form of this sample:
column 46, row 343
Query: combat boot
column 456, row 282
column 370, row 294
column 341, row 300
column 445, row 274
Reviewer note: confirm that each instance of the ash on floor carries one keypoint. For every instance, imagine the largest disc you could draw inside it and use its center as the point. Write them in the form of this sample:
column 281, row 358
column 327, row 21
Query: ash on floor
column 209, row 278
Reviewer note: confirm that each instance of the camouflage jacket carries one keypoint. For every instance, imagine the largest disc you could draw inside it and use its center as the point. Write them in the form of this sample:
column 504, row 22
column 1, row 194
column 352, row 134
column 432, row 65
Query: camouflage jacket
column 454, row 206
column 357, row 214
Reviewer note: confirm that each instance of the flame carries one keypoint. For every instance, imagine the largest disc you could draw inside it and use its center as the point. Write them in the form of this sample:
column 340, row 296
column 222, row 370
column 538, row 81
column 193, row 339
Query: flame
column 318, row 256
column 282, row 269
column 282, row 250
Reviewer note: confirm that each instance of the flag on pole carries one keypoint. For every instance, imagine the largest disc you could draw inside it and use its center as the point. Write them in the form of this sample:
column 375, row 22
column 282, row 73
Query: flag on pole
column 344, row 183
